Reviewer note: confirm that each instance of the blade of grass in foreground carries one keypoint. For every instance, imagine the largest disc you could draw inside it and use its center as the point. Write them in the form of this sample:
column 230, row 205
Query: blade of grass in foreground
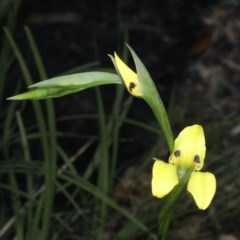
column 103, row 169
column 5, row 48
column 49, row 166
column 29, row 180
column 87, row 186
column 48, row 199
column 5, row 55
column 16, row 204
column 116, row 112
column 82, row 68
column 115, row 121
column 71, row 200
column 8, row 130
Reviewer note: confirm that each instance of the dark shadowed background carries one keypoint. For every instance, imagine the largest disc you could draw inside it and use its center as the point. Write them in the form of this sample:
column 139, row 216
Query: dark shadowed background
column 191, row 49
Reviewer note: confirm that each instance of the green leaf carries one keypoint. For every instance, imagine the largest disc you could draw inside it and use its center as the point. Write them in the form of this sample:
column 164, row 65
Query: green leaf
column 44, row 93
column 64, row 85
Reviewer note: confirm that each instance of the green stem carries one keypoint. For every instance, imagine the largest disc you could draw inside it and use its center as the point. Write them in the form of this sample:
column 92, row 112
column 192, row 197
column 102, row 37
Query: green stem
column 27, row 157
column 103, row 174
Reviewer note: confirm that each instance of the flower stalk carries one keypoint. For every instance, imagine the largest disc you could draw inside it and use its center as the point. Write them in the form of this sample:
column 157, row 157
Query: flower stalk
column 187, row 151
column 140, row 84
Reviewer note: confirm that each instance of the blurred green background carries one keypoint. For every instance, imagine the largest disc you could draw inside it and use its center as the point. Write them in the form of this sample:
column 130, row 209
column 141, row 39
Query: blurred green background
column 79, row 167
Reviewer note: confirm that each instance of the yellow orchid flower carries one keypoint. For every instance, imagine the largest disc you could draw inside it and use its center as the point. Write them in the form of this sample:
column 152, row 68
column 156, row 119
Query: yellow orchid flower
column 140, row 84
column 189, row 153
column 128, row 75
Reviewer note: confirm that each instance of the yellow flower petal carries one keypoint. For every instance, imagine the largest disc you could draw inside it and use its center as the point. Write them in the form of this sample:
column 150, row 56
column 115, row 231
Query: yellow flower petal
column 203, row 187
column 128, row 75
column 189, row 148
column 164, row 178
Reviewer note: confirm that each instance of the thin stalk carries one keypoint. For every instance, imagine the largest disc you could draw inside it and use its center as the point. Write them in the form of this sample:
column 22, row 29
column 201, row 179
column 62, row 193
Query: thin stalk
column 16, row 204
column 16, row 196
column 5, row 48
column 115, row 135
column 87, row 186
column 116, row 112
column 48, row 193
column 35, row 231
column 4, row 63
column 69, row 196
column 103, row 173
column 27, row 157
column 118, row 119
column 50, row 166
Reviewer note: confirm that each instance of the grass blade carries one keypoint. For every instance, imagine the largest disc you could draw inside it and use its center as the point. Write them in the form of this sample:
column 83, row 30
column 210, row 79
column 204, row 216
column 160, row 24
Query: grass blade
column 5, row 48
column 85, row 185
column 27, row 157
column 103, row 170
column 48, row 193
column 51, row 124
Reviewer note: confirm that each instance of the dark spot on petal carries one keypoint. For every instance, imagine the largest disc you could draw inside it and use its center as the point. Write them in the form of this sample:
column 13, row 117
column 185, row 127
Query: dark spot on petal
column 177, row 153
column 196, row 159
column 131, row 86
